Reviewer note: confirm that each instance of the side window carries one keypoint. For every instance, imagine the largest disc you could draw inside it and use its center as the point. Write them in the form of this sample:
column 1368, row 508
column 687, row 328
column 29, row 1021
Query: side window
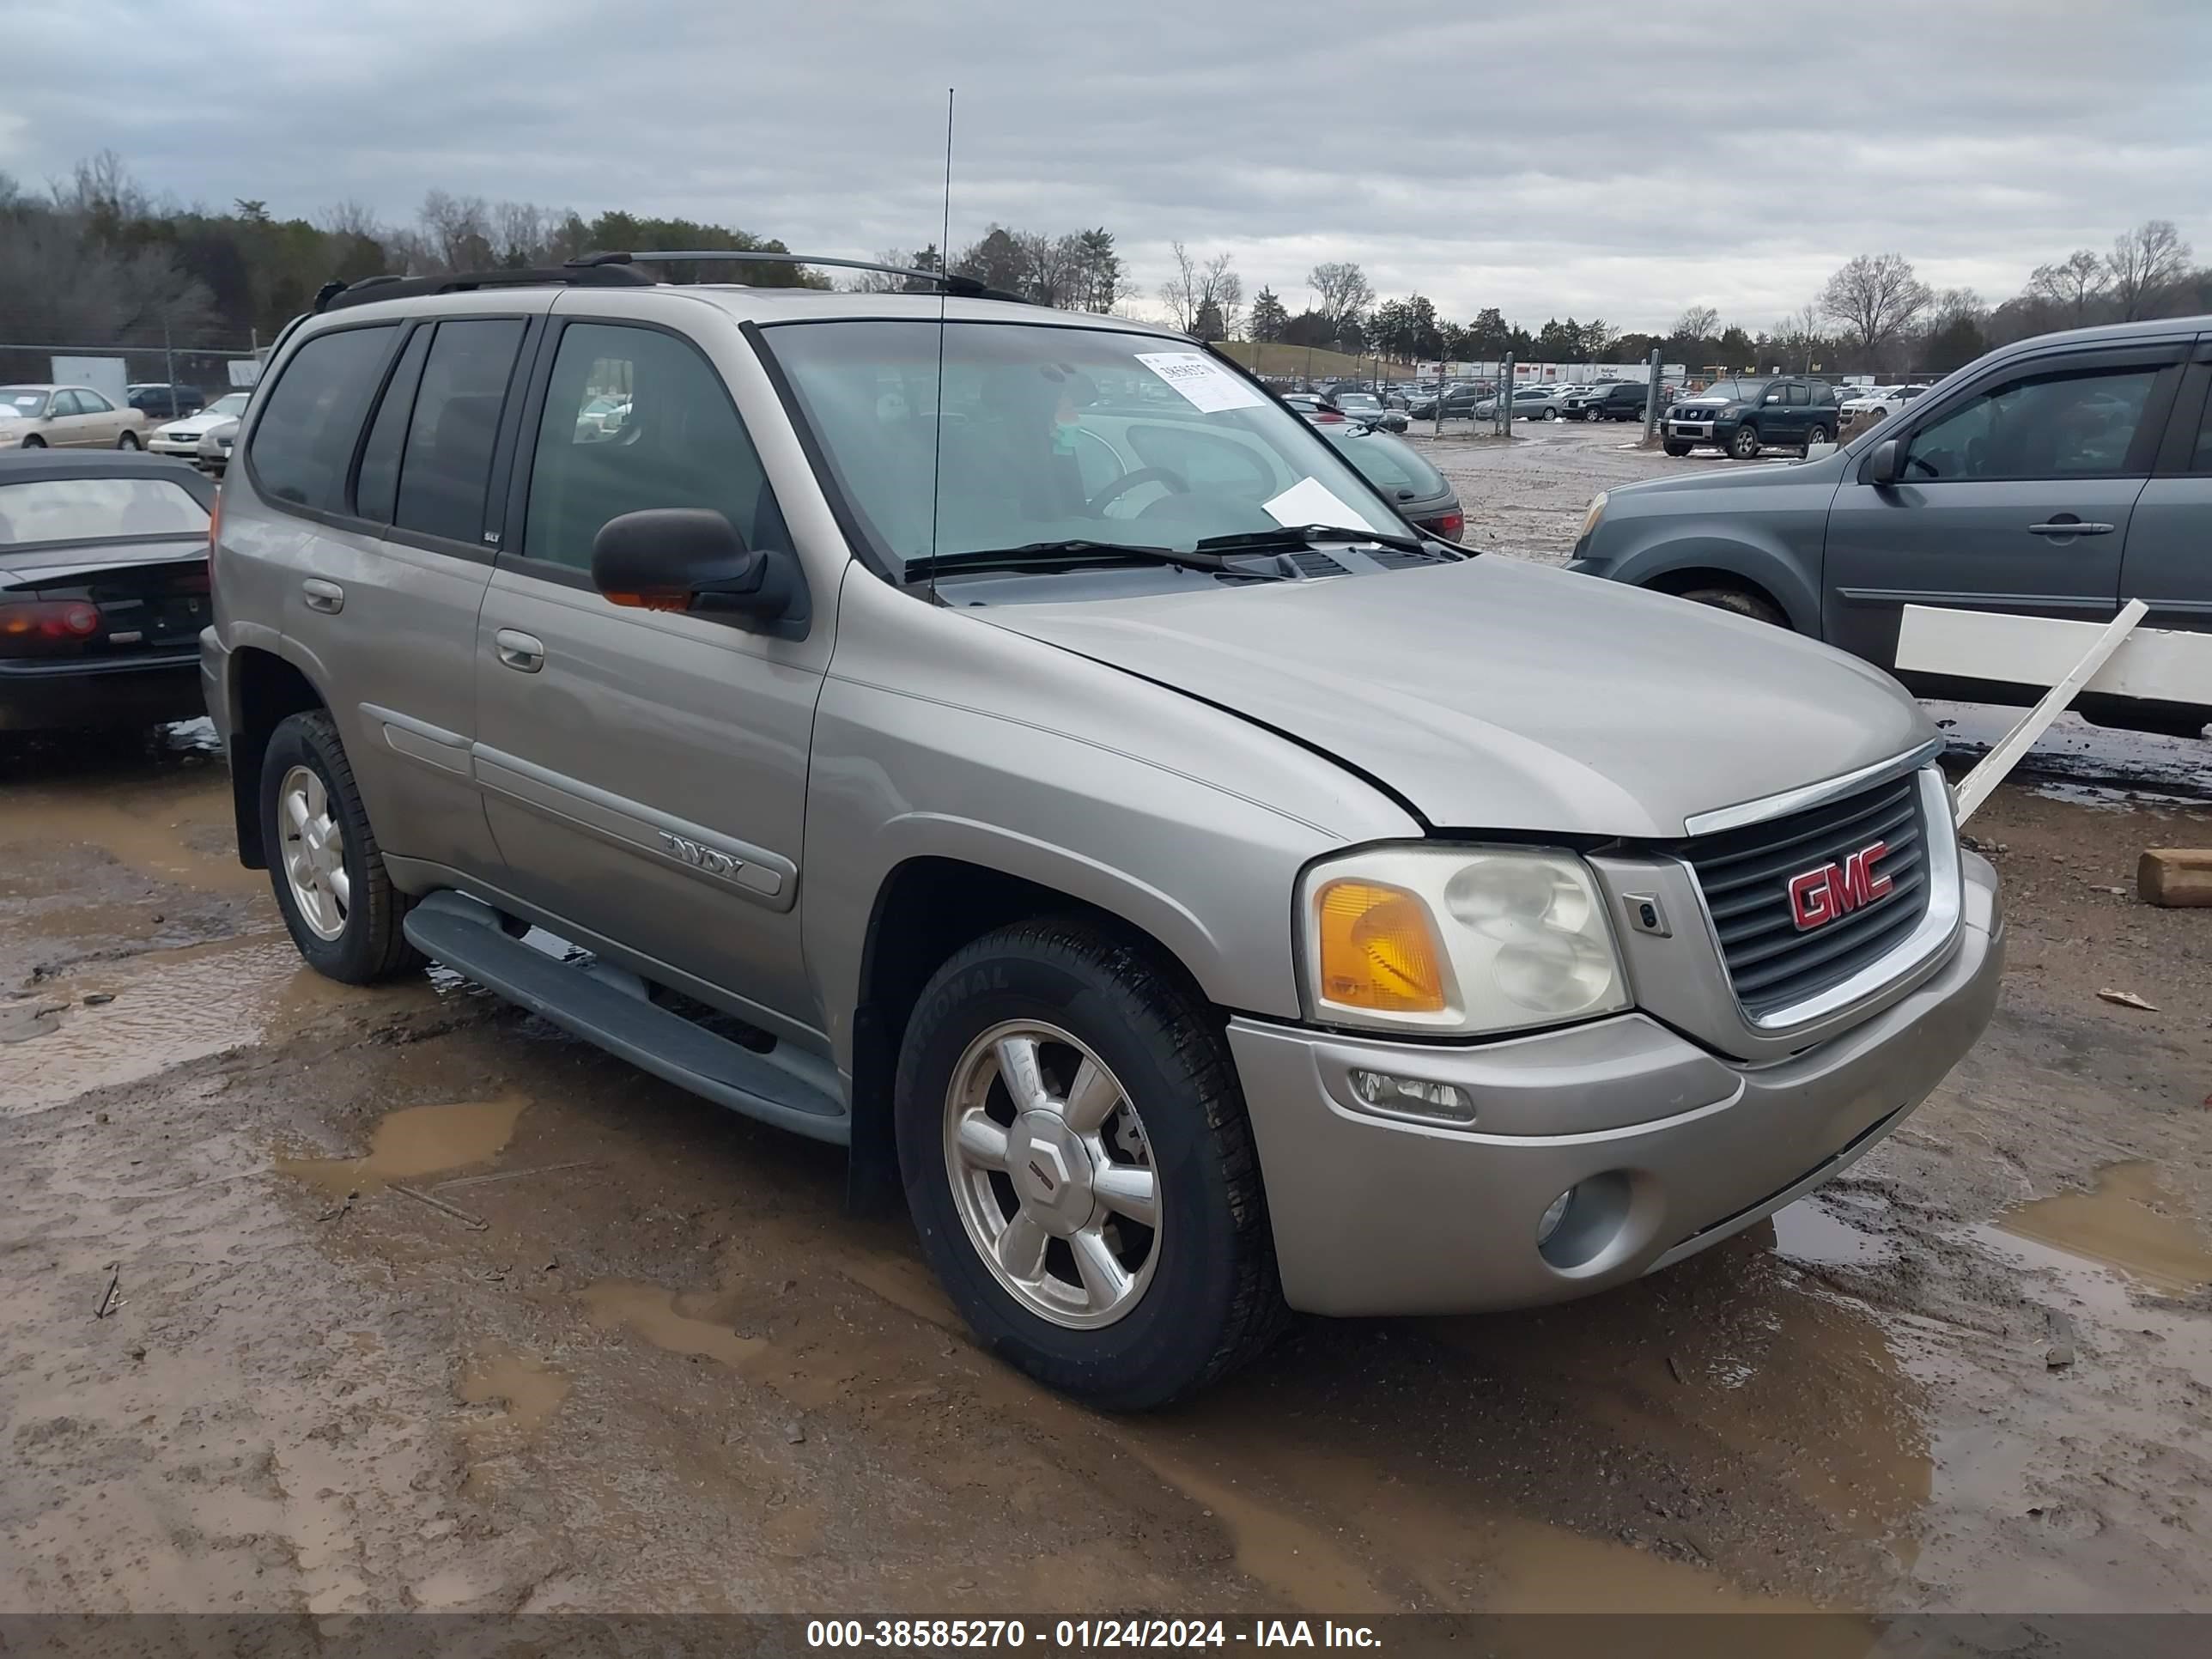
column 303, row 439
column 91, row 402
column 1796, row 391
column 377, row 487
column 446, row 464
column 1822, row 393
column 635, row 419
column 1776, row 394
column 2201, row 461
column 2055, row 425
column 64, row 403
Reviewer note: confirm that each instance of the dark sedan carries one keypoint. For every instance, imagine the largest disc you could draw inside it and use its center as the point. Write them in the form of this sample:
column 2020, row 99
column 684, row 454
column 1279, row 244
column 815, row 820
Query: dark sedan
column 1459, row 404
column 1406, row 480
column 103, row 589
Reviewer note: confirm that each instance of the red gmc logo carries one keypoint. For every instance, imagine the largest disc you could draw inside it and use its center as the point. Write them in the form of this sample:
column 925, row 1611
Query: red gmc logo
column 1818, row 897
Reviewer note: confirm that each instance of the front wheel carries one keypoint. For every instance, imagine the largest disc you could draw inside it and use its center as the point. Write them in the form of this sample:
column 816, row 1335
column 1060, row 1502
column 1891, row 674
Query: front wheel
column 1757, row 606
column 34, row 441
column 1080, row 1167
column 338, row 900
column 128, row 441
column 1675, row 447
column 1745, row 445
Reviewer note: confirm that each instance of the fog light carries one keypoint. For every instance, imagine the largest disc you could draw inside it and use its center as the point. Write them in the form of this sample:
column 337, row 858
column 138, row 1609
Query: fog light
column 1549, row 1223
column 1413, row 1097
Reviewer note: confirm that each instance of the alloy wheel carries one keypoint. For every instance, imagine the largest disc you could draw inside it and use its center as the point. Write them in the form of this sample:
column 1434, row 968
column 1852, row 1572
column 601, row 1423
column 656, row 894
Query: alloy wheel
column 1052, row 1173
column 314, row 853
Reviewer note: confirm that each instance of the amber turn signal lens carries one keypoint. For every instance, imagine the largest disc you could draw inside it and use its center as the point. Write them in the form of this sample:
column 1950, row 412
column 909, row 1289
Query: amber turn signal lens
column 1378, row 949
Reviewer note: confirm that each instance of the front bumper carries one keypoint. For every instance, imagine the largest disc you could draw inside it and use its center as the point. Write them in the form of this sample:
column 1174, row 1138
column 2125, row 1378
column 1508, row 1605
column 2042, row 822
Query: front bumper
column 1675, row 1148
column 184, row 449
column 1708, row 431
column 48, row 696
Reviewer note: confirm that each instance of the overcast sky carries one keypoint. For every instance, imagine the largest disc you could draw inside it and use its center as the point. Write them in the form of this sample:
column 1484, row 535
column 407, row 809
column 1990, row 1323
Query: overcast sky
column 1655, row 155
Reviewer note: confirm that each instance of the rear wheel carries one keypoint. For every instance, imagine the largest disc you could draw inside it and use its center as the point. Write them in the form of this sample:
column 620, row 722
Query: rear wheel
column 1551, row 413
column 338, row 900
column 1745, row 445
column 1815, row 435
column 128, row 441
column 1757, row 606
column 1080, row 1168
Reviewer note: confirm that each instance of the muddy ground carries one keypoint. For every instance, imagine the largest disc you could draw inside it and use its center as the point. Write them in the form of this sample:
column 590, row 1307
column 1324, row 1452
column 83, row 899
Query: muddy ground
column 411, row 1301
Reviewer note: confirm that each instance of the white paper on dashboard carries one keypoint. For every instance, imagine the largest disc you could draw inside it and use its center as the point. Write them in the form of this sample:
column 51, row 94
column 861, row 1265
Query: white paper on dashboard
column 1203, row 384
column 1311, row 501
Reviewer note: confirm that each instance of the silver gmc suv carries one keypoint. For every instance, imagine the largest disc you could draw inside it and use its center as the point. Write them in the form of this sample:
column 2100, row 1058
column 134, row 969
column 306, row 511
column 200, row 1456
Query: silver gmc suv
column 1012, row 745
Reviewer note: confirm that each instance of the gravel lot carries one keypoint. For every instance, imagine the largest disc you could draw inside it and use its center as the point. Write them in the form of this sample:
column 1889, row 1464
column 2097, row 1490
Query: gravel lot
column 635, row 1356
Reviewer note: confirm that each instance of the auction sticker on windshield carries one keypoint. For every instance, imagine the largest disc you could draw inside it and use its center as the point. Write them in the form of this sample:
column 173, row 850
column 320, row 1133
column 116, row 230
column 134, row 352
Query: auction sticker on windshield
column 1203, row 384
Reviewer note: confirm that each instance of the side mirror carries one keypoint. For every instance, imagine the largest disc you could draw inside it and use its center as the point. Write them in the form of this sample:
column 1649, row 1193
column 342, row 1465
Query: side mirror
column 1886, row 464
column 689, row 558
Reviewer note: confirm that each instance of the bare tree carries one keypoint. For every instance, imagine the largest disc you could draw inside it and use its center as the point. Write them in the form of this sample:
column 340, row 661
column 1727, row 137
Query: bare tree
column 1343, row 295
column 1696, row 323
column 1209, row 292
column 1179, row 293
column 2076, row 283
column 1055, row 274
column 2145, row 263
column 456, row 230
column 1875, row 297
column 349, row 217
column 520, row 231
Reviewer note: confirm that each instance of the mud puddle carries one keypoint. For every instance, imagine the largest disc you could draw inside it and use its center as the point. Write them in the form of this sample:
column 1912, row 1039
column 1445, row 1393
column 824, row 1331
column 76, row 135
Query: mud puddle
column 2084, row 763
column 1832, row 1231
column 2130, row 1221
column 417, row 1141
column 525, row 1389
column 149, row 1012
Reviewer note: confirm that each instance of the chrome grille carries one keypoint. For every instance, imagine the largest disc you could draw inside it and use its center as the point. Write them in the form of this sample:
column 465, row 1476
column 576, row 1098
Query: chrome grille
column 1745, row 876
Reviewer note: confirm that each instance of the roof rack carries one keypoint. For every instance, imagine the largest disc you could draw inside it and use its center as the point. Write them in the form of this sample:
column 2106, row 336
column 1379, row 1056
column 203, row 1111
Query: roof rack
column 966, row 287
column 626, row 270
column 370, row 289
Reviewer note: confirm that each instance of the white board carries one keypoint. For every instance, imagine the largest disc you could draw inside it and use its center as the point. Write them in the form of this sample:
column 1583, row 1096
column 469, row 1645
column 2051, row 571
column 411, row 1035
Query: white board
column 244, row 372
column 109, row 376
column 2157, row 664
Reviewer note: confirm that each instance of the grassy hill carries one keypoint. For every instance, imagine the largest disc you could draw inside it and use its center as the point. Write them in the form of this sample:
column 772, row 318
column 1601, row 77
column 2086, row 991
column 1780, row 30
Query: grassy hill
column 1274, row 359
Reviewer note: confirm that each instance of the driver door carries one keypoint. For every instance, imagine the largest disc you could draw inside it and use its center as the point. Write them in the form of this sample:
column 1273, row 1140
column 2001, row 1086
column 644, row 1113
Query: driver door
column 2016, row 496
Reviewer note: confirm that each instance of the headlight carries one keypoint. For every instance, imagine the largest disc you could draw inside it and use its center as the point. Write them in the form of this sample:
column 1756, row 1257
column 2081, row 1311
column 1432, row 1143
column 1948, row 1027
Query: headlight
column 1597, row 512
column 1456, row 940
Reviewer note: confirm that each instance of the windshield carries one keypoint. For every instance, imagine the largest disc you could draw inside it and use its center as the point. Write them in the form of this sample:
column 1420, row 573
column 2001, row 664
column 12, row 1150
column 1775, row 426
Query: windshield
column 1055, row 434
column 1358, row 400
column 1733, row 392
column 24, row 400
column 97, row 509
column 231, row 403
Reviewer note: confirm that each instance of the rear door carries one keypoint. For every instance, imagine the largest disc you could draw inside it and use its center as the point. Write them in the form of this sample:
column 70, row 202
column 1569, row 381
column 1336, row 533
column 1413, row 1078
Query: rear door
column 644, row 771
column 66, row 421
column 2168, row 563
column 380, row 441
column 1782, row 413
column 101, row 423
column 2018, row 492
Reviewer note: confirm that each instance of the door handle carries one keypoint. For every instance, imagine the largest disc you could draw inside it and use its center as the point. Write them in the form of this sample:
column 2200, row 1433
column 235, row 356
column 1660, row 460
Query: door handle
column 523, row 653
column 326, row 597
column 2066, row 526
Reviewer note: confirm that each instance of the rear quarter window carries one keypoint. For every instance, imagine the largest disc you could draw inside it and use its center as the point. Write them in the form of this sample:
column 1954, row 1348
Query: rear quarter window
column 303, row 441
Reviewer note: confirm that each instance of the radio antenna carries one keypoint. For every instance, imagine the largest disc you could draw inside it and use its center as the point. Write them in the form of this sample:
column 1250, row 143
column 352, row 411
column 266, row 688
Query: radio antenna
column 944, row 269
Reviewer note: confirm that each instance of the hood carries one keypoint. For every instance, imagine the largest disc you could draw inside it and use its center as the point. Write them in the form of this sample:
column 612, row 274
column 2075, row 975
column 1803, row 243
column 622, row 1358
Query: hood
column 1496, row 694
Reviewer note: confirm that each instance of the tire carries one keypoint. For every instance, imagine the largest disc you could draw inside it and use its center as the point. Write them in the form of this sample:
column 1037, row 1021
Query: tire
column 128, row 441
column 366, row 944
column 1745, row 445
column 1754, row 605
column 1675, row 447
column 34, row 441
column 1551, row 413
column 1203, row 1294
column 1816, row 434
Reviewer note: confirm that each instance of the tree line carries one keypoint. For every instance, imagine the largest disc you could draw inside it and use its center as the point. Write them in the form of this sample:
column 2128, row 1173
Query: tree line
column 96, row 259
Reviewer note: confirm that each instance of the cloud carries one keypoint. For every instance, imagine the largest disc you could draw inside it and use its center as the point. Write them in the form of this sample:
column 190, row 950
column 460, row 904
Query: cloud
column 1564, row 157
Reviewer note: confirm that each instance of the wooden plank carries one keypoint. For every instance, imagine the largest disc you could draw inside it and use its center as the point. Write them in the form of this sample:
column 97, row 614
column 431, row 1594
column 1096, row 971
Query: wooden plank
column 2175, row 876
column 2158, row 664
column 1974, row 788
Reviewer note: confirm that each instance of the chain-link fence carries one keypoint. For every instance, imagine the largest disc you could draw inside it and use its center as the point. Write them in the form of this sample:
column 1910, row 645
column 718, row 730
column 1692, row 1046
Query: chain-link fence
column 208, row 368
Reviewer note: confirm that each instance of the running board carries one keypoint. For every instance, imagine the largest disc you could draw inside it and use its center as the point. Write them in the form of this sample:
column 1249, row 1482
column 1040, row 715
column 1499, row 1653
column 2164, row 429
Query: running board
column 466, row 937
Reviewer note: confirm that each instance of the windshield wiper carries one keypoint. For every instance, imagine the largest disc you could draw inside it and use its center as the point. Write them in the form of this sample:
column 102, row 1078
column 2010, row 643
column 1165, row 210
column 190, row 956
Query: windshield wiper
column 1074, row 553
column 1295, row 536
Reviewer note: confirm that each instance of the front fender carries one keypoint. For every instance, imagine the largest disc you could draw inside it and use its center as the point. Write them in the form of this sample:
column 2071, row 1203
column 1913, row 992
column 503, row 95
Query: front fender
column 1771, row 535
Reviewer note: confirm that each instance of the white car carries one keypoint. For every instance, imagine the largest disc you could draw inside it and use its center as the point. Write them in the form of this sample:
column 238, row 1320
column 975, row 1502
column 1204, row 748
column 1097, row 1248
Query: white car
column 1879, row 403
column 182, row 438
column 39, row 416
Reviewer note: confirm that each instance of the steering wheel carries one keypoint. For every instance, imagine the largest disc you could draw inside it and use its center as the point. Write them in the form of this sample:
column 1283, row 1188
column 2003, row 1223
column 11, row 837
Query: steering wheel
column 1176, row 483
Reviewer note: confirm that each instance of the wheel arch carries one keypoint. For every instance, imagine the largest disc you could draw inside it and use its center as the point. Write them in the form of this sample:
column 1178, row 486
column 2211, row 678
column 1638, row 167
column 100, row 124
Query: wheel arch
column 264, row 689
column 926, row 908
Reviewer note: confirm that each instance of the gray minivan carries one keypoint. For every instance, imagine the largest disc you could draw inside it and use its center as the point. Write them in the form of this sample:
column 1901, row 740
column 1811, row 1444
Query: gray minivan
column 2061, row 477
column 1011, row 745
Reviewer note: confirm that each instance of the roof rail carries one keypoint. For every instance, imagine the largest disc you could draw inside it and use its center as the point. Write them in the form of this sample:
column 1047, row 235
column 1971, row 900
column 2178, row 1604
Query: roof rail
column 370, row 289
column 966, row 287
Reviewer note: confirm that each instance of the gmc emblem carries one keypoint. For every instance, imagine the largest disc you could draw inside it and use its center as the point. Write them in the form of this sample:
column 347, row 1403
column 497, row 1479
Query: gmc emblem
column 1818, row 897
